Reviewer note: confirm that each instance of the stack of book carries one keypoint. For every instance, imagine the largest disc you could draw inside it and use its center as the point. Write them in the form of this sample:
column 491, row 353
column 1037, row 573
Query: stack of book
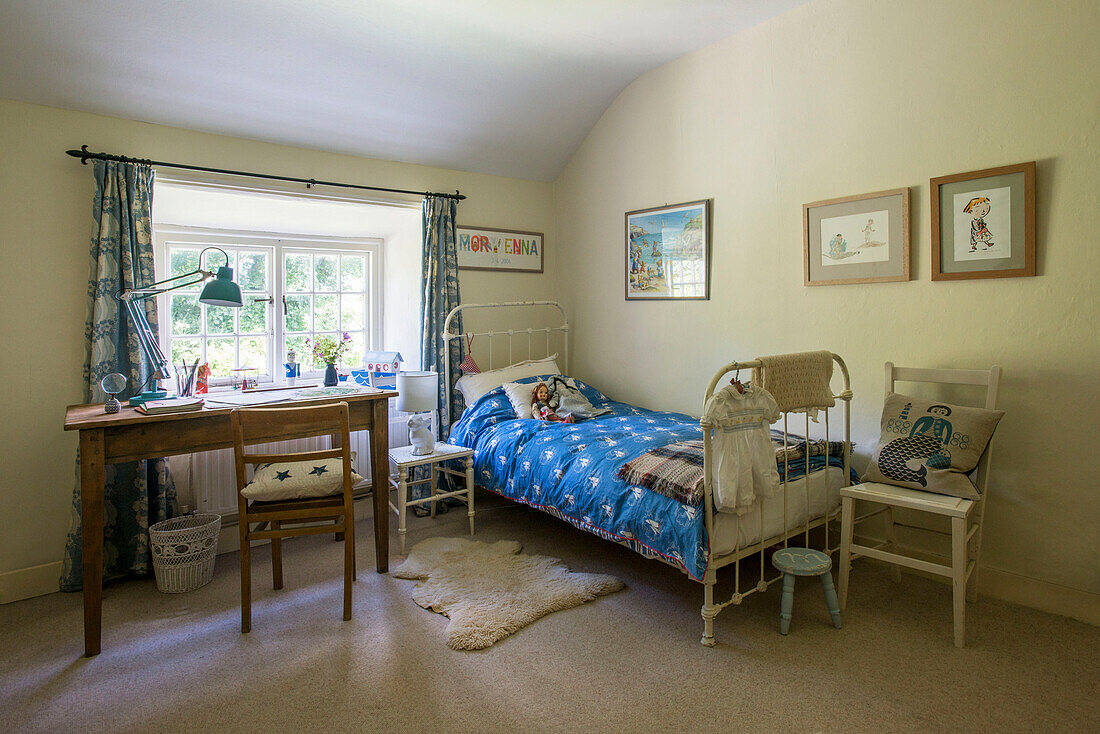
column 173, row 405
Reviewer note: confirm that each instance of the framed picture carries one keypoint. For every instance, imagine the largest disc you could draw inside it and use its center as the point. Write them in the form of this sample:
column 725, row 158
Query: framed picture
column 983, row 223
column 668, row 252
column 485, row 248
column 857, row 239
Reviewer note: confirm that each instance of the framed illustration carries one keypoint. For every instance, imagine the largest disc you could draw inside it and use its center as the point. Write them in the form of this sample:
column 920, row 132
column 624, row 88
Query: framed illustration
column 667, row 252
column 856, row 239
column 983, row 223
column 485, row 248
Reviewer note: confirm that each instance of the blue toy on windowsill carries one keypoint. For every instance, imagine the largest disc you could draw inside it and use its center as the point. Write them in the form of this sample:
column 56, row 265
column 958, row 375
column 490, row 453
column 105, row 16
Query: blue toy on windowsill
column 380, row 371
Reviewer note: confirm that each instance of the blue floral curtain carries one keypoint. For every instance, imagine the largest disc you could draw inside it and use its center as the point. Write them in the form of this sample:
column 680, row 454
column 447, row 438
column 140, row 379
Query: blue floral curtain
column 439, row 294
column 139, row 493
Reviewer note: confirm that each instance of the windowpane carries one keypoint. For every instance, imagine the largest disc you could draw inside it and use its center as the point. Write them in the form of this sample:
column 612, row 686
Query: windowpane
column 352, row 273
column 297, row 313
column 252, row 271
column 324, row 272
column 253, row 317
column 336, row 337
column 353, row 357
column 219, row 320
column 351, row 312
column 324, row 313
column 214, row 259
column 186, row 351
column 302, row 352
column 183, row 260
column 186, row 317
column 298, row 275
column 254, row 353
column 221, row 354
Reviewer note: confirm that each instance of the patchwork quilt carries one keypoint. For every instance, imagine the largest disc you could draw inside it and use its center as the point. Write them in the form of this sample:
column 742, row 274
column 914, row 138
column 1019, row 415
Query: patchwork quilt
column 570, row 471
column 676, row 469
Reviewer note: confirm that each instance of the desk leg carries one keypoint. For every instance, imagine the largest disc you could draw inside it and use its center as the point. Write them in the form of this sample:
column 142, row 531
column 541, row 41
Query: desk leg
column 380, row 476
column 92, row 478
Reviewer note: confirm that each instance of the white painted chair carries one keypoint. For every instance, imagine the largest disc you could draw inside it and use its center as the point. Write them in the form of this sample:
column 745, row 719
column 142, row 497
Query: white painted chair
column 966, row 516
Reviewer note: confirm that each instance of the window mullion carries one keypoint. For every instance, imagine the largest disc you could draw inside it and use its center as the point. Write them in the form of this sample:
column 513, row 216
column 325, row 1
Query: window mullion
column 277, row 313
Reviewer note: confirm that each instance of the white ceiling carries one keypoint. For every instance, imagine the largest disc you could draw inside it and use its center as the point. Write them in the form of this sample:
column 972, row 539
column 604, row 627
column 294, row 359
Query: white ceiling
column 509, row 87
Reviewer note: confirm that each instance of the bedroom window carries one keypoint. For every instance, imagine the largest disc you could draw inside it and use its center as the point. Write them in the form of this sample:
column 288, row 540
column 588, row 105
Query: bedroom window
column 325, row 292
column 226, row 338
column 294, row 290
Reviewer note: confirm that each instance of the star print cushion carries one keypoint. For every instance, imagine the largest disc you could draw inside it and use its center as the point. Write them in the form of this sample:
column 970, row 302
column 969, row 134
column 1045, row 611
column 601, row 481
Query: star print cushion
column 931, row 446
column 289, row 480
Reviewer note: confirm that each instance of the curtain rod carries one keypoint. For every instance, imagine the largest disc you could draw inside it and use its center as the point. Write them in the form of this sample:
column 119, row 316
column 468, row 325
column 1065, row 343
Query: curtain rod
column 85, row 155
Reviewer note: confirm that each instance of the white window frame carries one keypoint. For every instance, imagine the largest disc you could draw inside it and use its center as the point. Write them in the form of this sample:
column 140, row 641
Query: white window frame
column 165, row 236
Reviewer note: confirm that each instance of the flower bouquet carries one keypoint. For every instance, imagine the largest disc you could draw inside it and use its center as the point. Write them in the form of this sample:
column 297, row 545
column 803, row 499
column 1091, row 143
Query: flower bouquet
column 328, row 349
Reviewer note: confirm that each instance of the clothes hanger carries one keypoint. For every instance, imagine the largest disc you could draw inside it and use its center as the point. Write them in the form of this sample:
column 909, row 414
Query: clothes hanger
column 736, row 382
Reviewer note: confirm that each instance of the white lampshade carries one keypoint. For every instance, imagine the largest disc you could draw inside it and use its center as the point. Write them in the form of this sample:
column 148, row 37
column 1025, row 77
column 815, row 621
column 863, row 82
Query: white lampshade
column 418, row 392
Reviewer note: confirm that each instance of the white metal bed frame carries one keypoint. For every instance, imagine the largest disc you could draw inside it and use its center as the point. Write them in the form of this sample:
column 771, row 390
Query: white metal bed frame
column 710, row 608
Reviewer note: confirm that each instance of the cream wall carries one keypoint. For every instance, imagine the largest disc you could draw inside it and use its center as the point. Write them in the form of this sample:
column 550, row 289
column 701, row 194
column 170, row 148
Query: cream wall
column 45, row 211
column 842, row 97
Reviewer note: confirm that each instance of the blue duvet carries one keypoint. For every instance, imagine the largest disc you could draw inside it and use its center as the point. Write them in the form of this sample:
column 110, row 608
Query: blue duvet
column 569, row 471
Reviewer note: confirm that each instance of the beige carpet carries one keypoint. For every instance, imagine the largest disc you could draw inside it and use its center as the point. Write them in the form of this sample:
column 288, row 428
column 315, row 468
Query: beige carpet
column 490, row 590
column 627, row 662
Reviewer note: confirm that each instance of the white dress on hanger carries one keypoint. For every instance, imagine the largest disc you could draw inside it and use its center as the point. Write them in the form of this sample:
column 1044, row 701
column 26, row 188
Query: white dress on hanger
column 744, row 457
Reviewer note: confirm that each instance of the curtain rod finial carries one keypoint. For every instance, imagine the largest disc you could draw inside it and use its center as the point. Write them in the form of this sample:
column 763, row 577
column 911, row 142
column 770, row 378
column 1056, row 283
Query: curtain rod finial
column 82, row 154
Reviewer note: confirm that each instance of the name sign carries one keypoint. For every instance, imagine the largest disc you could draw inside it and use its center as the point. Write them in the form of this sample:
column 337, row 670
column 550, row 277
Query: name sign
column 484, row 248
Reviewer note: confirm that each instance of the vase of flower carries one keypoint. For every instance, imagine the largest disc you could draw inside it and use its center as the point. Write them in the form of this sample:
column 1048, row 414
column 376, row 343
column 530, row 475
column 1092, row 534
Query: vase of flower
column 331, row 378
column 328, row 350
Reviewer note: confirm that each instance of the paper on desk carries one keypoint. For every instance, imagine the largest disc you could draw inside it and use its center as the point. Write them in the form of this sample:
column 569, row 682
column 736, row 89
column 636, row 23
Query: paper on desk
column 312, row 393
column 241, row 399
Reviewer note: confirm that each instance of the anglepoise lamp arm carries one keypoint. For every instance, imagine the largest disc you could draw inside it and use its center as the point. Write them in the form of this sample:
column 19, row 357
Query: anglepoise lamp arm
column 220, row 290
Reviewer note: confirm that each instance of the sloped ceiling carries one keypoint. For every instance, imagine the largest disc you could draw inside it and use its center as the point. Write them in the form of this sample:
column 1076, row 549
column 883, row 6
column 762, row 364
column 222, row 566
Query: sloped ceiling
column 492, row 86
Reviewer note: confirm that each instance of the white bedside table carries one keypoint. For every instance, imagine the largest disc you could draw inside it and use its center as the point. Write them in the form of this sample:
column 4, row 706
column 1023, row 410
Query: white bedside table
column 404, row 459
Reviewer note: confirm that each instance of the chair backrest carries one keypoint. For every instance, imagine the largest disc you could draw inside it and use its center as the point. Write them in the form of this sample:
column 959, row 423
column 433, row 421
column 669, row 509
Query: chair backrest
column 266, row 424
column 990, row 379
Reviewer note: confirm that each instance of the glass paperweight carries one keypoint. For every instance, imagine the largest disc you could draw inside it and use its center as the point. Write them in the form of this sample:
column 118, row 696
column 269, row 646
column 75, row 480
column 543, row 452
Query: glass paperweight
column 112, row 384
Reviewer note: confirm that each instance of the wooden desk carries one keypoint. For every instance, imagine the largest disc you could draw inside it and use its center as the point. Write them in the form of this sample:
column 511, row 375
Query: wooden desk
column 129, row 436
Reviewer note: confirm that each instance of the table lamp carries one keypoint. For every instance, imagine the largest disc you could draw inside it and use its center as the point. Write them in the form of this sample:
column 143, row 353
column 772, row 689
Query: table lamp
column 418, row 392
column 220, row 290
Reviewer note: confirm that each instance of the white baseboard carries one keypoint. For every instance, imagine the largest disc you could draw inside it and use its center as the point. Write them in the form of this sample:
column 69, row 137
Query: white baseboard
column 24, row 583
column 1011, row 587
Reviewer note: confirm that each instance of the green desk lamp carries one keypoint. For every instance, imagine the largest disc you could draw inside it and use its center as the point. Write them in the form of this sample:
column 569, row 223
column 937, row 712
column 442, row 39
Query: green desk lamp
column 220, row 290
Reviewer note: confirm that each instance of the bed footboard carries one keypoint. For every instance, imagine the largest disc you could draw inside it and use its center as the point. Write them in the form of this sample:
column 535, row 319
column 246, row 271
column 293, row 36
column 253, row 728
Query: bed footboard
column 710, row 608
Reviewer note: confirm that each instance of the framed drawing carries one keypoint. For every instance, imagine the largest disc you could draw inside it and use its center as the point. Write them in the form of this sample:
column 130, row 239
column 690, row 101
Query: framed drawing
column 856, row 239
column 485, row 248
column 983, row 223
column 667, row 252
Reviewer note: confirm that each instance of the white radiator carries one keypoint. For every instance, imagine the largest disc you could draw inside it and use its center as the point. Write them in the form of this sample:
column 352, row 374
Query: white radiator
column 206, row 481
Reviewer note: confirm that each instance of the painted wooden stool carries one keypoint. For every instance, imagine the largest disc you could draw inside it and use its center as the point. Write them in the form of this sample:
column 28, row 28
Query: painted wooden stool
column 804, row 562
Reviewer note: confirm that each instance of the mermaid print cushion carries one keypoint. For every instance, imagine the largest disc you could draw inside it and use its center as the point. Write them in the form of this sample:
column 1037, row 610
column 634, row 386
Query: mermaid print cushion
column 931, row 445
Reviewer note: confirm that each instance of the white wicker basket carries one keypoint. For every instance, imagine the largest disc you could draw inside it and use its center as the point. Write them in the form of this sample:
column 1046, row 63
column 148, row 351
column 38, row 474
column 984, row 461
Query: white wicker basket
column 184, row 550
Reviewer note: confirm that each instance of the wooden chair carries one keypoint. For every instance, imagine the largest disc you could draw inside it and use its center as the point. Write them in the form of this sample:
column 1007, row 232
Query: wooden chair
column 257, row 425
column 966, row 536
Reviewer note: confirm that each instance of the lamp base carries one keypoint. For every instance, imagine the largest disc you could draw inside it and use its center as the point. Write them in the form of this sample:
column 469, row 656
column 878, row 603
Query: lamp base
column 147, row 396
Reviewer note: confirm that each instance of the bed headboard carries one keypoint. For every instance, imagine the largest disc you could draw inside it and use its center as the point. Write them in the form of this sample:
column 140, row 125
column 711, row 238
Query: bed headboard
column 535, row 342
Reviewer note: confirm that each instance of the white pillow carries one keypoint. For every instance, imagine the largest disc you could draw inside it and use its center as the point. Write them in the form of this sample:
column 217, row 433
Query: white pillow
column 520, row 396
column 473, row 387
column 290, row 480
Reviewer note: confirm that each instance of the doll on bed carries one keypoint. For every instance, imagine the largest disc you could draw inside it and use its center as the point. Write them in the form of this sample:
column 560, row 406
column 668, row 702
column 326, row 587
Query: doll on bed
column 543, row 406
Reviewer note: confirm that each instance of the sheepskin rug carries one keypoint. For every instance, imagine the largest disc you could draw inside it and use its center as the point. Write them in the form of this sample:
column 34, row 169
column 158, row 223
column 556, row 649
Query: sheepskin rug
column 490, row 590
